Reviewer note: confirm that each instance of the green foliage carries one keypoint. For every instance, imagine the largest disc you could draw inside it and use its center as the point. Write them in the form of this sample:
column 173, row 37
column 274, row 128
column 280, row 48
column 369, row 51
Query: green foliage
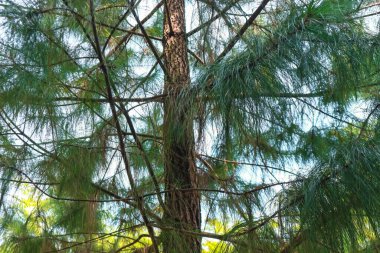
column 340, row 199
column 283, row 161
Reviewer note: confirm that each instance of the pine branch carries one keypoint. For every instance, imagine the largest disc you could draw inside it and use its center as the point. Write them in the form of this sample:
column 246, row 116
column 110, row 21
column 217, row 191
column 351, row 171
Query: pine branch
column 137, row 240
column 294, row 243
column 104, row 68
column 148, row 40
column 213, row 19
column 244, row 163
column 365, row 123
column 326, row 113
column 114, row 29
column 101, row 237
column 157, row 98
column 242, row 30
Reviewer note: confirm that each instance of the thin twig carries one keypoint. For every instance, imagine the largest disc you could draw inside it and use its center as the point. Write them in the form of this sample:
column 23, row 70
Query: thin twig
column 243, row 29
column 104, row 69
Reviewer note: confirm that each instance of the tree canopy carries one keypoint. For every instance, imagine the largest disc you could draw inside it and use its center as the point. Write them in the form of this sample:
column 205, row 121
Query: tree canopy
column 189, row 126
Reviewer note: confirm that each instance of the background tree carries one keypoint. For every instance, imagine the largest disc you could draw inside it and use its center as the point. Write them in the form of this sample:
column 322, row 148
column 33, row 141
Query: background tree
column 182, row 126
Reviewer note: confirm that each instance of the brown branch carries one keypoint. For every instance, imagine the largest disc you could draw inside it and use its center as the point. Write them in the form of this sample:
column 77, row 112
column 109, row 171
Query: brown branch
column 157, row 98
column 223, row 11
column 125, row 38
column 132, row 243
column 243, row 29
column 370, row 6
column 148, row 40
column 327, row 114
column 114, row 29
column 196, row 57
column 245, row 163
column 365, row 123
column 145, row 157
column 27, row 182
column 242, row 193
column 104, row 69
column 368, row 15
column 160, row 98
column 101, row 237
column 294, row 243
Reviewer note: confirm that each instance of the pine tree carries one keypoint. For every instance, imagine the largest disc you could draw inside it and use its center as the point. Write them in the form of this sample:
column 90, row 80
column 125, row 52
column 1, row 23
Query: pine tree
column 189, row 126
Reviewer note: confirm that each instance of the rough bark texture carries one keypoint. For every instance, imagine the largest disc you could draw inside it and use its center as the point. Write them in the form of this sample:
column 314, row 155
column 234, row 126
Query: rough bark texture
column 183, row 207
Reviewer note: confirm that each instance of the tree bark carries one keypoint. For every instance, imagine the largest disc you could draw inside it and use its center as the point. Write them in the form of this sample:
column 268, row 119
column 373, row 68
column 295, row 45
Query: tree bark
column 182, row 207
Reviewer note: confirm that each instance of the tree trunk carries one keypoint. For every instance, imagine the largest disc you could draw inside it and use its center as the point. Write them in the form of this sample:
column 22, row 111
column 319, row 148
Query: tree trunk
column 183, row 207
